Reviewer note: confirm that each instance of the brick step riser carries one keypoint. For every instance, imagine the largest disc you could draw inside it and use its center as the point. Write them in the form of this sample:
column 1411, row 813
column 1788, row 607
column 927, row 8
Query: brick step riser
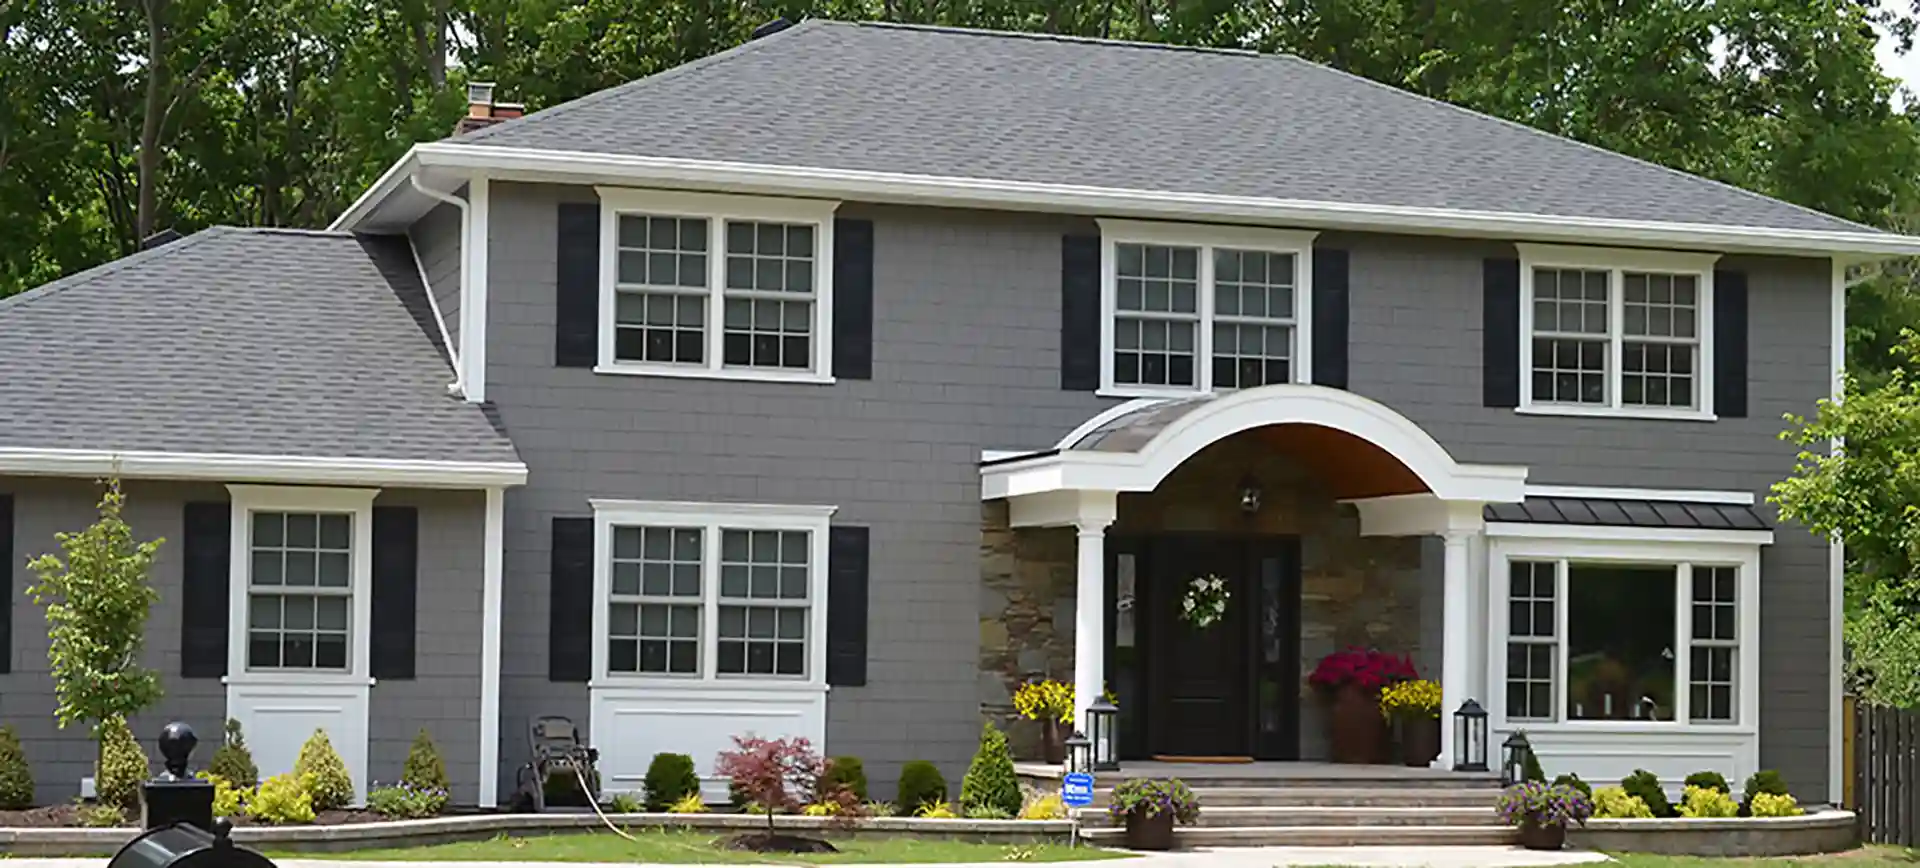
column 1285, row 817
column 1356, row 783
column 1322, row 836
column 1335, row 799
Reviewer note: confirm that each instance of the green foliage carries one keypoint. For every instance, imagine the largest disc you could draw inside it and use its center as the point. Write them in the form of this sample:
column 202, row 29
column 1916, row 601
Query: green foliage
column 1708, row 803
column 323, row 773
column 232, row 760
column 228, row 800
column 845, row 772
column 1152, row 797
column 1774, row 805
column 16, row 777
column 690, row 803
column 882, row 809
column 1614, row 803
column 921, row 784
column 1765, row 781
column 424, row 769
column 103, row 816
column 670, row 777
column 987, row 812
column 625, row 803
column 936, row 811
column 1574, row 781
column 283, row 799
column 122, row 767
column 97, row 602
column 407, row 802
column 1043, row 806
column 1710, row 780
column 1530, row 769
column 1645, row 786
column 990, row 781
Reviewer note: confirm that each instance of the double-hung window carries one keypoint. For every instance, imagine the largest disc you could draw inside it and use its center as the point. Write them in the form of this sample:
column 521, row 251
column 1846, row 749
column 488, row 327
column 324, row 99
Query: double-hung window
column 711, row 591
column 1616, row 332
column 1645, row 641
column 719, row 286
column 1191, row 309
column 301, row 576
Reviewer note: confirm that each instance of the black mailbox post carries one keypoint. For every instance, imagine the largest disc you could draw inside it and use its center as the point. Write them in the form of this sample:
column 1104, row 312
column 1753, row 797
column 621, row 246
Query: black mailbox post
column 180, row 829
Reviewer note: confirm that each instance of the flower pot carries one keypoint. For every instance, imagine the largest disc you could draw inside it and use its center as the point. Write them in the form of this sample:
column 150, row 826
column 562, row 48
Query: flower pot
column 1359, row 732
column 1053, row 742
column 1538, row 836
column 1419, row 740
column 1149, row 831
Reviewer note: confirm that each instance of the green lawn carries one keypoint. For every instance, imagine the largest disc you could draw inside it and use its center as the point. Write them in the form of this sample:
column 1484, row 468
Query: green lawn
column 660, row 845
column 1871, row 857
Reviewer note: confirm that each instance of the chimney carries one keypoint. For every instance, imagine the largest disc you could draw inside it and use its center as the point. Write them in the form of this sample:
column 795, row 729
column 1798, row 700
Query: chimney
column 482, row 111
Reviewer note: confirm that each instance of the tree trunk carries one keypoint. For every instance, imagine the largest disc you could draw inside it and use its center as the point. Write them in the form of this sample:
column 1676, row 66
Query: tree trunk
column 153, row 119
column 437, row 46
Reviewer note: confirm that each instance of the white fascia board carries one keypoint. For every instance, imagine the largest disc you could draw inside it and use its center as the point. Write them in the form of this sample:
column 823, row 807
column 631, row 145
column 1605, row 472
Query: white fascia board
column 718, row 176
column 1628, row 534
column 298, row 469
column 392, row 179
column 1664, row 495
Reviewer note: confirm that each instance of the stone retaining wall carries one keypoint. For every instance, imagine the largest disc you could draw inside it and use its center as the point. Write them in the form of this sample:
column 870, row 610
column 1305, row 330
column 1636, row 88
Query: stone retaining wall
column 1824, row 832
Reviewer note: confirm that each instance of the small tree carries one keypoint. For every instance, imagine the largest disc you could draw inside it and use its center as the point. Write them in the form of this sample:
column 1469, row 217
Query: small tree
column 775, row 774
column 424, row 769
column 325, row 775
column 232, row 761
column 97, row 603
column 16, row 777
column 990, row 781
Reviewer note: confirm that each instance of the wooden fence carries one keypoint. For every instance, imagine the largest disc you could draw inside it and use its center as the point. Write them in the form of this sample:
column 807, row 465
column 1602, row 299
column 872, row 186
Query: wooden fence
column 1884, row 779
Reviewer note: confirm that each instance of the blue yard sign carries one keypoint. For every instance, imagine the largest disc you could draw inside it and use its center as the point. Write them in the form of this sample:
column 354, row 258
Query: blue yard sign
column 1076, row 790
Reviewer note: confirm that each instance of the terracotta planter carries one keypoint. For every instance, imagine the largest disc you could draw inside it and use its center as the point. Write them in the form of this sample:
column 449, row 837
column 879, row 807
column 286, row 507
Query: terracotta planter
column 1419, row 740
column 1534, row 836
column 1053, row 742
column 1150, row 832
column 1359, row 732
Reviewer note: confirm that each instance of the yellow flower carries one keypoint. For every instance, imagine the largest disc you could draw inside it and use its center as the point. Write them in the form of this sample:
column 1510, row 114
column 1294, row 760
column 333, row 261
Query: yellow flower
column 1411, row 698
column 1047, row 699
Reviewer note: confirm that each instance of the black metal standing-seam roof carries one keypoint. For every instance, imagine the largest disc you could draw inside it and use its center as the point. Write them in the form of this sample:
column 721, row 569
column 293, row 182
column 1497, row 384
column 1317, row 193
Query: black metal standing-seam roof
column 1627, row 513
column 242, row 342
column 990, row 105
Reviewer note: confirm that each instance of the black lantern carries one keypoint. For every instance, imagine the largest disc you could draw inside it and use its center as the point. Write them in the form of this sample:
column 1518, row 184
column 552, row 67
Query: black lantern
column 1250, row 495
column 1079, row 753
column 1470, row 738
column 1514, row 755
column 1103, row 725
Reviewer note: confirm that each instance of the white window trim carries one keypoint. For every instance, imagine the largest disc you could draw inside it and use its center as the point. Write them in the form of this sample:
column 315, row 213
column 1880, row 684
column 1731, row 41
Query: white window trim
column 716, row 209
column 1615, row 261
column 712, row 518
column 1680, row 555
column 248, row 499
column 1296, row 242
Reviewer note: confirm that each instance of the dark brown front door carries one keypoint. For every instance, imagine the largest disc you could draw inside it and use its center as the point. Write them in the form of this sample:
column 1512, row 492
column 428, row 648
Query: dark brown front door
column 1201, row 682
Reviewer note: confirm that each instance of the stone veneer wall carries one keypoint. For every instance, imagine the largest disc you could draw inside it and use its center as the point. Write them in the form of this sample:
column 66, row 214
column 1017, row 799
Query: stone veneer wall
column 1354, row 590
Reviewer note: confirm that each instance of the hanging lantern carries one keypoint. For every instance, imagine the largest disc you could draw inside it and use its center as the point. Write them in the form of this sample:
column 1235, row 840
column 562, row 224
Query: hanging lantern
column 1513, row 763
column 1470, row 738
column 1103, row 725
column 1079, row 753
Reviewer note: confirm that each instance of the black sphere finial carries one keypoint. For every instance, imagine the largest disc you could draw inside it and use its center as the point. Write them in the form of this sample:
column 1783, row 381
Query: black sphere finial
column 176, row 746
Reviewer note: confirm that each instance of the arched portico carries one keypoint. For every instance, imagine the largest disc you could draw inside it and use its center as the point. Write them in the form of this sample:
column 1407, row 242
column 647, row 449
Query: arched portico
column 1401, row 481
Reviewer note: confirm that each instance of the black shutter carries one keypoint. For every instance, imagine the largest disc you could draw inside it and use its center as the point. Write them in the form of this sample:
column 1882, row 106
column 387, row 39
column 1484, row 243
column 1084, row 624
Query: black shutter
column 1080, row 313
column 7, row 569
column 1330, row 317
column 853, row 299
column 1500, row 341
column 396, row 590
column 206, row 534
column 576, row 309
column 570, row 618
column 847, row 606
column 1730, row 344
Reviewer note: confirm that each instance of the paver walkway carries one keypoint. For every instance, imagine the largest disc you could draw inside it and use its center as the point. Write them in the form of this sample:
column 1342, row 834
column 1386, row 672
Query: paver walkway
column 1240, row 857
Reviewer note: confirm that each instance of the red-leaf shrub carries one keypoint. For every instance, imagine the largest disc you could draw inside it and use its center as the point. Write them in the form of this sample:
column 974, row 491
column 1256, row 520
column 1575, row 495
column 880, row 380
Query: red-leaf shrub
column 1364, row 667
column 776, row 774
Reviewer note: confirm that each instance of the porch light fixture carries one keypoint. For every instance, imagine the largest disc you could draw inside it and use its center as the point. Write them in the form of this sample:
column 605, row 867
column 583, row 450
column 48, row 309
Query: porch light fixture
column 1079, row 753
column 1250, row 495
column 1103, row 724
column 1513, row 764
column 1470, row 738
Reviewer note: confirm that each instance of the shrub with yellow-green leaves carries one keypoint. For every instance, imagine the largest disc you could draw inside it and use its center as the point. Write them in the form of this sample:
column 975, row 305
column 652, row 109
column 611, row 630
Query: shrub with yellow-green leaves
column 16, row 778
column 1614, row 803
column 324, row 772
column 122, row 768
column 228, row 800
column 1708, row 802
column 283, row 799
column 1772, row 805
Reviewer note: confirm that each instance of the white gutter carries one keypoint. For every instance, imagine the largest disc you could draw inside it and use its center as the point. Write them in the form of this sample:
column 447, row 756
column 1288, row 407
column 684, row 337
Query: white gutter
column 459, row 384
column 299, row 469
column 586, row 167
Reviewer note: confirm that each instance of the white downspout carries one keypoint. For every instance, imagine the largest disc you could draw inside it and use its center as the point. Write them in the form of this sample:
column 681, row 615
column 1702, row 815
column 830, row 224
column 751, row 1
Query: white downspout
column 459, row 384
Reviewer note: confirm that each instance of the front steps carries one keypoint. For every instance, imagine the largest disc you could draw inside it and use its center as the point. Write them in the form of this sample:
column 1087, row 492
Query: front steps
column 1299, row 809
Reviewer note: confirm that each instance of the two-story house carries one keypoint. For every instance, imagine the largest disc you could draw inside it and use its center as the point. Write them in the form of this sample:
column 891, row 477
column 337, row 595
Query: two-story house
column 835, row 384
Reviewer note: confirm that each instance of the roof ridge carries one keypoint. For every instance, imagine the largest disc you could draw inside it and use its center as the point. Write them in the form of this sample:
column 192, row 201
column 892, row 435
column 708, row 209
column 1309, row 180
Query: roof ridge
column 1064, row 37
column 667, row 74
column 112, row 266
column 1536, row 131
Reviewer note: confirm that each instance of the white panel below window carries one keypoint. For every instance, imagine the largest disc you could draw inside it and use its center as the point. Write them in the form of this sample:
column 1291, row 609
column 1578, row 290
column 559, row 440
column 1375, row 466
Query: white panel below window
column 277, row 718
column 632, row 723
column 1602, row 758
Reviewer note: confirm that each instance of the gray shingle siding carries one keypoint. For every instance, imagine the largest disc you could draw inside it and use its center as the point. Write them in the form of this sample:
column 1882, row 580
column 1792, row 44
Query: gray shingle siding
column 444, row 697
column 436, row 241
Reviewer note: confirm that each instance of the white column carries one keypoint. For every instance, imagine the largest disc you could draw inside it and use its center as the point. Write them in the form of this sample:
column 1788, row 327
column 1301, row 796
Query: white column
column 1456, row 637
column 492, row 553
column 1090, row 616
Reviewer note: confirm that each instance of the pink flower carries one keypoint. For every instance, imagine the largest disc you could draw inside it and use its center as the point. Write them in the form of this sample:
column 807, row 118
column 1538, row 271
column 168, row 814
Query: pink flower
column 1363, row 667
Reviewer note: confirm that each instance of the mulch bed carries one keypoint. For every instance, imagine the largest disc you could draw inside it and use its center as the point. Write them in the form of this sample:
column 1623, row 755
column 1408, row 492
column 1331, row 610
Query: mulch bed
column 775, row 842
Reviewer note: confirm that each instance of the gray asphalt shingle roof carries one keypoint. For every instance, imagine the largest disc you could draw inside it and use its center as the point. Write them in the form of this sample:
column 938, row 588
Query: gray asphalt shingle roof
column 1018, row 107
column 238, row 341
